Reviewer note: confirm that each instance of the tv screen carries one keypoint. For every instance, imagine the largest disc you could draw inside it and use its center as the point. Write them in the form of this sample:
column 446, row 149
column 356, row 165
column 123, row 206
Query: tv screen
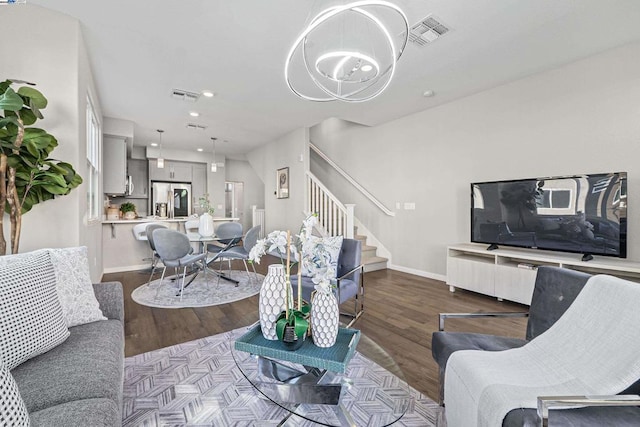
column 583, row 213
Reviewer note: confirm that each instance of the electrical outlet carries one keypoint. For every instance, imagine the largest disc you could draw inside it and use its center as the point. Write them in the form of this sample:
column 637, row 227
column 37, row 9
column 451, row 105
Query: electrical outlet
column 410, row 206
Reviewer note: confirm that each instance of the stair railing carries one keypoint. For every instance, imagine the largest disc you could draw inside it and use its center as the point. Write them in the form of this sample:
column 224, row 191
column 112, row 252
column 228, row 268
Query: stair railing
column 335, row 218
column 352, row 181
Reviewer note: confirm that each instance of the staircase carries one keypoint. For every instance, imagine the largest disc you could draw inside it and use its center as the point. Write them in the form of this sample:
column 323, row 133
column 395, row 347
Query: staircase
column 370, row 259
column 336, row 219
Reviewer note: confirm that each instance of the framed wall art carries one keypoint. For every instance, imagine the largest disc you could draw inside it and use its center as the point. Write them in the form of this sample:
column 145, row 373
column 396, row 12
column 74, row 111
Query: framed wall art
column 282, row 183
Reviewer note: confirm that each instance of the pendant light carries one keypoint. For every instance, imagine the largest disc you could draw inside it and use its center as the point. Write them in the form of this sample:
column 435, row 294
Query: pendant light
column 214, row 165
column 160, row 161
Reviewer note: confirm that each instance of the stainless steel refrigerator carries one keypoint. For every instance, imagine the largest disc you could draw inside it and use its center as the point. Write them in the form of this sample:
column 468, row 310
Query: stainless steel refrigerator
column 176, row 199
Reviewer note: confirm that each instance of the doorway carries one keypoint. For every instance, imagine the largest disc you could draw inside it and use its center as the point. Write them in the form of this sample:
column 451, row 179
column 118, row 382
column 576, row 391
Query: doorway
column 234, row 201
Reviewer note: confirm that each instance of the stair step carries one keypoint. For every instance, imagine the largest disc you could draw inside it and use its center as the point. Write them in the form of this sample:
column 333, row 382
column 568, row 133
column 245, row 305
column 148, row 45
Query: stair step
column 374, row 263
column 368, row 251
column 360, row 237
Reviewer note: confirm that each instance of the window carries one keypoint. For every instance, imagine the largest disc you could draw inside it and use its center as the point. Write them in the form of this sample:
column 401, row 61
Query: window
column 93, row 164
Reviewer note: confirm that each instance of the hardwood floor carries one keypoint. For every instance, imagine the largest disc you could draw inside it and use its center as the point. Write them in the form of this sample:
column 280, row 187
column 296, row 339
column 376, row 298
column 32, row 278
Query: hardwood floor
column 401, row 312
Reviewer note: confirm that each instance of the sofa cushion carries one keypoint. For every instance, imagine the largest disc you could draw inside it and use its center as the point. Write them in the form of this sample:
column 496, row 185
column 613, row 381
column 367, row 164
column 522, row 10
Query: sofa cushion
column 74, row 286
column 89, row 364
column 443, row 344
column 32, row 321
column 13, row 412
column 79, row 413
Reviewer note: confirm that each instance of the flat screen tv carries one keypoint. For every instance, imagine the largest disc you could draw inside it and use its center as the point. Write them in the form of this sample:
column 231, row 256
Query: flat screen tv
column 583, row 213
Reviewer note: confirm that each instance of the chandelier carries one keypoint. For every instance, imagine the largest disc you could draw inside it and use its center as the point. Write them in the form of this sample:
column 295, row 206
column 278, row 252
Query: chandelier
column 347, row 52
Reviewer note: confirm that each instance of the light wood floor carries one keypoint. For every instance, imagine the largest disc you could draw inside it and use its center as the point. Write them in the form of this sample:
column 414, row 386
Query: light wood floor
column 401, row 312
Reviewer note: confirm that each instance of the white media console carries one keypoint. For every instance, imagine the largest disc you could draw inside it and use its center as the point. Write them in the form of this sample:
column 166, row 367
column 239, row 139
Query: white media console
column 510, row 273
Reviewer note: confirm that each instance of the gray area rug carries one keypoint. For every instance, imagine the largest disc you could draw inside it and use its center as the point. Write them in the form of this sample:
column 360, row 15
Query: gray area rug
column 200, row 293
column 198, row 384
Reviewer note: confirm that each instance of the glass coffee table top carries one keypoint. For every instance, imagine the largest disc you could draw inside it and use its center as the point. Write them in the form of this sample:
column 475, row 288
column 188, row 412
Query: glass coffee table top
column 372, row 391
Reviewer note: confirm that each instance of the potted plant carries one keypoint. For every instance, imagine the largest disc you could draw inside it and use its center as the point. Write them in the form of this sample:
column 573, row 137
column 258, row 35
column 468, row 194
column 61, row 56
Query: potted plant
column 28, row 175
column 128, row 210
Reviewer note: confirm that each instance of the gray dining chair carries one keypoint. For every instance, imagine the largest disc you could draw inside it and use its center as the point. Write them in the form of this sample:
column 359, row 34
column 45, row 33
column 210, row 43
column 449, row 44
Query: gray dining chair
column 229, row 234
column 174, row 250
column 242, row 252
column 155, row 258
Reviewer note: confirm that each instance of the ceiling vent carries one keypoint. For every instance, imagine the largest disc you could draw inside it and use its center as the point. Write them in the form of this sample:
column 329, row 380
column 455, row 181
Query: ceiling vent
column 427, row 31
column 195, row 126
column 185, row 95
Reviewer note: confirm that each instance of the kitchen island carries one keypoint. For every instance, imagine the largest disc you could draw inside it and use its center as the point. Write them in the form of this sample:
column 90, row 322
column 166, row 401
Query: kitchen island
column 121, row 251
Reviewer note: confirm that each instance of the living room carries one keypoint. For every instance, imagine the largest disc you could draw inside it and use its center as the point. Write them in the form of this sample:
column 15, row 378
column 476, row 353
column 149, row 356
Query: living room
column 578, row 115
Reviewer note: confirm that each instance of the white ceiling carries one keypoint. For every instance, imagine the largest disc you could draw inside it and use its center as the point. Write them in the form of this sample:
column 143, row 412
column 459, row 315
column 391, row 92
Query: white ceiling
column 141, row 50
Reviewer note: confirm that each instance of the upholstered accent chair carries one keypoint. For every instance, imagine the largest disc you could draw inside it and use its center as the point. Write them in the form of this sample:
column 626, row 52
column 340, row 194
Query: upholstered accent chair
column 555, row 290
column 349, row 282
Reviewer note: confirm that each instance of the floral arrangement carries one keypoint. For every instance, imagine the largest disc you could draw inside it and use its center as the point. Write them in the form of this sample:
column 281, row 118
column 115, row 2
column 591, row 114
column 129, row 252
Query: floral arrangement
column 309, row 252
column 304, row 251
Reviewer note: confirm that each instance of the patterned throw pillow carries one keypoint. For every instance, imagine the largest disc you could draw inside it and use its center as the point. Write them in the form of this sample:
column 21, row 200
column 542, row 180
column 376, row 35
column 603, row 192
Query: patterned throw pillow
column 32, row 321
column 12, row 409
column 74, row 287
column 332, row 246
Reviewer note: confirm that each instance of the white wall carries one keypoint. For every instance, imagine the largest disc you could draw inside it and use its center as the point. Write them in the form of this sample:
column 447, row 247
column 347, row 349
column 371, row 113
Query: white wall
column 282, row 214
column 241, row 171
column 580, row 118
column 52, row 55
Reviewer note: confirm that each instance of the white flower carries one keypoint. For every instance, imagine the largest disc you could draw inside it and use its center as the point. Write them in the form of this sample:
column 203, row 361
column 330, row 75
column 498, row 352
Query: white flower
column 323, row 287
column 257, row 251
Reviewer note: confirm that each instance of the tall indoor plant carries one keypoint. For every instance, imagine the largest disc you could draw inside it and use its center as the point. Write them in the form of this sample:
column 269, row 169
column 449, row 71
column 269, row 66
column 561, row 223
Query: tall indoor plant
column 27, row 175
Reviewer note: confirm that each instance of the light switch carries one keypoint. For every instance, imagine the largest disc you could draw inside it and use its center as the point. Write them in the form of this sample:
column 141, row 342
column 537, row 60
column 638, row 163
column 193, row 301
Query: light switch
column 398, row 205
column 410, row 206
column 219, row 207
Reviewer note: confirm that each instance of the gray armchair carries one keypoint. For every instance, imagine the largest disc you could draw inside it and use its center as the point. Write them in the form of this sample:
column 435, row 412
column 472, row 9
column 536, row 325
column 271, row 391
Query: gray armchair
column 555, row 290
column 350, row 279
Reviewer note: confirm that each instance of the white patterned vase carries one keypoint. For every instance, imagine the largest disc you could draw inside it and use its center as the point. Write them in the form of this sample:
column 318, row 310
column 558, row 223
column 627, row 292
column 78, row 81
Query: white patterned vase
column 273, row 297
column 325, row 319
column 205, row 227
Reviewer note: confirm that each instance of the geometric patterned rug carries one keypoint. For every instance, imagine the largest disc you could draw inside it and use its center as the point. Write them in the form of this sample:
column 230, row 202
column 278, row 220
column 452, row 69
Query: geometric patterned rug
column 201, row 292
column 198, row 384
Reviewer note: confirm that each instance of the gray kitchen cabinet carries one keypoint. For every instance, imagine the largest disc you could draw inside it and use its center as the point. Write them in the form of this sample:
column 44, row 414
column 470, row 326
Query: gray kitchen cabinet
column 114, row 150
column 137, row 170
column 173, row 171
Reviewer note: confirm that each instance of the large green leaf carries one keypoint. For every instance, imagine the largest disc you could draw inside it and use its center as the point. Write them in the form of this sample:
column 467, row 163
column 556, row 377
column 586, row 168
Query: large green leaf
column 6, row 120
column 34, row 95
column 10, row 100
column 28, row 117
column 54, row 189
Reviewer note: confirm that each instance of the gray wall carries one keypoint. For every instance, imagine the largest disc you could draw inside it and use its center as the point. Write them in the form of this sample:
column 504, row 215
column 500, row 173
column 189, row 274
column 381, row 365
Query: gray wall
column 241, row 171
column 52, row 54
column 282, row 214
column 580, row 118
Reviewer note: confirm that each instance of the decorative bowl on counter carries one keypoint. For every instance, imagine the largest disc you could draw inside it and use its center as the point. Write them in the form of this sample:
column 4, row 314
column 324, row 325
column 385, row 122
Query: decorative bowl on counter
column 129, row 215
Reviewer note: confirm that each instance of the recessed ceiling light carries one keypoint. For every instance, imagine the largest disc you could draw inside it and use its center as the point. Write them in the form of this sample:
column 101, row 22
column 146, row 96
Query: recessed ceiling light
column 154, row 144
column 428, row 93
column 194, row 113
column 208, row 93
column 366, row 68
column 200, row 149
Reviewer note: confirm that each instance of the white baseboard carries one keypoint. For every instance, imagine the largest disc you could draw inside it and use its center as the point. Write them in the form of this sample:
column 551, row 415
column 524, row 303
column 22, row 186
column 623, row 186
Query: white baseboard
column 126, row 268
column 428, row 275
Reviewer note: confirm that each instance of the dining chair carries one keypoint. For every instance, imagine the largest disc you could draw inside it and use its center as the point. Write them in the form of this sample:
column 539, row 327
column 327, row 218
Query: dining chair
column 174, row 250
column 242, row 252
column 155, row 258
column 228, row 235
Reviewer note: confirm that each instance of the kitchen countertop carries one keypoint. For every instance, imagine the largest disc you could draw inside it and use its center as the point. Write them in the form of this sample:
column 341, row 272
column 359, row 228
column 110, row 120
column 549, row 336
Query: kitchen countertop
column 156, row 219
